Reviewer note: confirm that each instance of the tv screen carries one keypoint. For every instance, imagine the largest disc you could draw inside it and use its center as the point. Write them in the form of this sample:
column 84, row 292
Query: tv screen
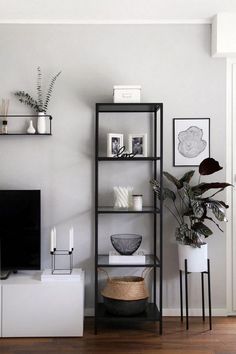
column 20, row 229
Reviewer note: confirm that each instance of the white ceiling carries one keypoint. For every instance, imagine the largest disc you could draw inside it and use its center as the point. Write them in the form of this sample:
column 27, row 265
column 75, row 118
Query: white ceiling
column 112, row 10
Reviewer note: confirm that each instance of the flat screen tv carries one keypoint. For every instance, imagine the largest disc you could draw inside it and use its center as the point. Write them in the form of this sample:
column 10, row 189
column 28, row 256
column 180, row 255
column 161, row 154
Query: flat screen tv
column 20, row 229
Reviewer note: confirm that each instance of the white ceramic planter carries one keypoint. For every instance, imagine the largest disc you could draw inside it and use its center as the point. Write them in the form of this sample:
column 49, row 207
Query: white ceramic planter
column 41, row 124
column 196, row 258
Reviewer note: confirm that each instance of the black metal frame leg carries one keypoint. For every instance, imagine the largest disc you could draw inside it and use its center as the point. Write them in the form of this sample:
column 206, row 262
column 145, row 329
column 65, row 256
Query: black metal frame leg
column 203, row 293
column 181, row 295
column 186, row 290
column 203, row 297
column 209, row 293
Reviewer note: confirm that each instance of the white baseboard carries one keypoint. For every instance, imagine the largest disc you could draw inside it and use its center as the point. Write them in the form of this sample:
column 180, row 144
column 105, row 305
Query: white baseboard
column 89, row 312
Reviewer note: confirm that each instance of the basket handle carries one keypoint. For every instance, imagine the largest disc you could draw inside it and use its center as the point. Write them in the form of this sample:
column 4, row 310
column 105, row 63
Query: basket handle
column 146, row 271
column 104, row 271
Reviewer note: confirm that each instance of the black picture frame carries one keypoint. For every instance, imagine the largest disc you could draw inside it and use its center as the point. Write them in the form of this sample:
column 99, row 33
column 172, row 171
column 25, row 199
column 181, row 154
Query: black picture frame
column 191, row 141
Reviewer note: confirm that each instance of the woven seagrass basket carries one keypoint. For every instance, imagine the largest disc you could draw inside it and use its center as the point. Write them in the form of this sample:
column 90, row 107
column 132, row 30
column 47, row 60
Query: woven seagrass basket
column 126, row 295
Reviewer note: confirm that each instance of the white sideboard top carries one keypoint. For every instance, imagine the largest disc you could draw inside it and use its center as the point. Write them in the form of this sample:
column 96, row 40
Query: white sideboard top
column 31, row 277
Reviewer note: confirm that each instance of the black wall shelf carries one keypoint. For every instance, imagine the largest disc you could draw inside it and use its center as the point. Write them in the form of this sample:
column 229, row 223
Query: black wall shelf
column 49, row 117
column 153, row 311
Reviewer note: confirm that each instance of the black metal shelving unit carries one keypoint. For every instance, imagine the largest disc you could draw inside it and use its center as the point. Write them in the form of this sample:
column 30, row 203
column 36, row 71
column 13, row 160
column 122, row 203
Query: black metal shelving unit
column 153, row 311
column 27, row 116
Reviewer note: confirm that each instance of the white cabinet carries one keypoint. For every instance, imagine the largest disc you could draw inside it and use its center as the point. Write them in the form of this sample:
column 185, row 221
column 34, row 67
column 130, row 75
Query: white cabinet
column 32, row 308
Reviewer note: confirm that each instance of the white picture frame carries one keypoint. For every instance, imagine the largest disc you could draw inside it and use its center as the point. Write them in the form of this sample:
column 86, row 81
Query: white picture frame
column 114, row 143
column 138, row 144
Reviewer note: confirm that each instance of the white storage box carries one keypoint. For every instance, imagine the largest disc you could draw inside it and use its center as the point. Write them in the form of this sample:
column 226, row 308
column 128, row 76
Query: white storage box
column 126, row 94
column 136, row 258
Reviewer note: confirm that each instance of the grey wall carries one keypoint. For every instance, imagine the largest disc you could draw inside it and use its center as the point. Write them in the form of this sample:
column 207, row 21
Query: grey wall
column 173, row 65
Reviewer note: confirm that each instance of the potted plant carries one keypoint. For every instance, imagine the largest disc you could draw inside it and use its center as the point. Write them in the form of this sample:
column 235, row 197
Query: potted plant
column 191, row 207
column 40, row 105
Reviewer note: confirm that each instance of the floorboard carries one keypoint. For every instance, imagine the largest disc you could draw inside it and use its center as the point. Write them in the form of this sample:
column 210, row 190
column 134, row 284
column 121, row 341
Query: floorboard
column 140, row 339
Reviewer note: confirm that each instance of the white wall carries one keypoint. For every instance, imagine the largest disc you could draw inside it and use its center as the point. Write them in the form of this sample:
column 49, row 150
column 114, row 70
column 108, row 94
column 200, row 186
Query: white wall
column 174, row 66
column 108, row 10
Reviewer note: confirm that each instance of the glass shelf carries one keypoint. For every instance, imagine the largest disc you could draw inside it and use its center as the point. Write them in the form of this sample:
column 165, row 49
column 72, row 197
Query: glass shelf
column 128, row 107
column 111, row 210
column 119, row 159
column 150, row 261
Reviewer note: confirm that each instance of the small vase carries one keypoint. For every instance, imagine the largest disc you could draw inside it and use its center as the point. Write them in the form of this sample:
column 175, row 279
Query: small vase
column 196, row 258
column 122, row 197
column 31, row 129
column 41, row 124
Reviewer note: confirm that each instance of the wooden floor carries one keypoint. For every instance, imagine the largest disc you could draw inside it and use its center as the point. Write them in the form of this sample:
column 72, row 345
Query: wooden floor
column 139, row 340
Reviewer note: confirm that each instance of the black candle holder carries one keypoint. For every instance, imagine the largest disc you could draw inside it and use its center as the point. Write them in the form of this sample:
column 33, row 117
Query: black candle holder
column 61, row 271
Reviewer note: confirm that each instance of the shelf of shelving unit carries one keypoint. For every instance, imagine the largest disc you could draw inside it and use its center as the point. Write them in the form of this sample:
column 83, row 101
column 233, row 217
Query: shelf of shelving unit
column 153, row 311
column 150, row 314
column 111, row 210
column 151, row 261
column 134, row 159
column 28, row 116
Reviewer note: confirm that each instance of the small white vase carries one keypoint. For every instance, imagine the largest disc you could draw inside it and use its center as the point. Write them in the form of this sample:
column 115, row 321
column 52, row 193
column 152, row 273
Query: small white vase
column 31, row 129
column 41, row 124
column 196, row 258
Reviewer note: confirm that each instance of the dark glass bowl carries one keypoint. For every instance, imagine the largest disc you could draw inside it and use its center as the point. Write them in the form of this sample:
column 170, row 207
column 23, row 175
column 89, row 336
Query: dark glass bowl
column 126, row 244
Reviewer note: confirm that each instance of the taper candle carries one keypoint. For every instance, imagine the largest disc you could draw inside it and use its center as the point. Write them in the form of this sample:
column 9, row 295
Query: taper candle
column 52, row 241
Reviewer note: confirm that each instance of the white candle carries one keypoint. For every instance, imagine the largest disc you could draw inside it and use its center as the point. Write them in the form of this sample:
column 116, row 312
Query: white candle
column 52, row 241
column 55, row 238
column 137, row 202
column 71, row 239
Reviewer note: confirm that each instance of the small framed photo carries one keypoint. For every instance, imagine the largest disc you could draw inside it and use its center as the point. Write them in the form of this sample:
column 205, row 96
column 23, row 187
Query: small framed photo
column 191, row 142
column 114, row 143
column 138, row 144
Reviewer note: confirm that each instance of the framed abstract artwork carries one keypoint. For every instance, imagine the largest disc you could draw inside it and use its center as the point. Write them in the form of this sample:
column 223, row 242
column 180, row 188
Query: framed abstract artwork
column 191, row 141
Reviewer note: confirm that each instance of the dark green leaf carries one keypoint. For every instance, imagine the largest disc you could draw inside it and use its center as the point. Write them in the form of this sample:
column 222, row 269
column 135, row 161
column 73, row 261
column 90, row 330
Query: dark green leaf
column 204, row 187
column 187, row 177
column 208, row 218
column 217, row 210
column 226, row 206
column 198, row 208
column 167, row 193
column 174, row 180
column 202, row 229
column 188, row 212
column 209, row 166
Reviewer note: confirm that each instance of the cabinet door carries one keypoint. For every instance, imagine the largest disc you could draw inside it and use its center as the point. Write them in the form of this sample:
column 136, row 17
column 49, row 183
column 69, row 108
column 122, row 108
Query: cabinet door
column 44, row 309
column 0, row 309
